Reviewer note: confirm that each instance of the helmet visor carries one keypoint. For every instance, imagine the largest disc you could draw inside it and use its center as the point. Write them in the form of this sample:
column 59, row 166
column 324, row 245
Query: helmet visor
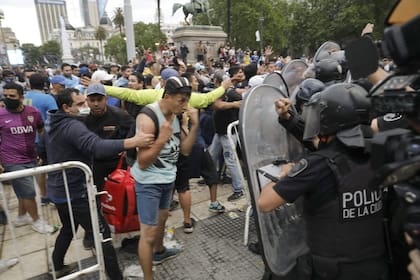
column 312, row 115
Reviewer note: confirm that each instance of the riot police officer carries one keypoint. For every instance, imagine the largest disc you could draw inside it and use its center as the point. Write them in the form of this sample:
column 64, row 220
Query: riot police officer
column 343, row 215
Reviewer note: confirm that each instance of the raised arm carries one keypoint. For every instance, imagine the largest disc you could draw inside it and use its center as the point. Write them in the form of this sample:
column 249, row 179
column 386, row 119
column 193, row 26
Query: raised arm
column 139, row 97
column 201, row 100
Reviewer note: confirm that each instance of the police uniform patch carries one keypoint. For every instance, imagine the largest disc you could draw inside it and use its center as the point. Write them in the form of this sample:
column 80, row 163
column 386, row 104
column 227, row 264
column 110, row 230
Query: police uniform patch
column 392, row 117
column 298, row 168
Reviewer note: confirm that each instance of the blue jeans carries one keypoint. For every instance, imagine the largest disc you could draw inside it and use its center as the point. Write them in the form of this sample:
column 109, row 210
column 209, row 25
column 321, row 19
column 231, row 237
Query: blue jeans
column 151, row 198
column 24, row 187
column 221, row 142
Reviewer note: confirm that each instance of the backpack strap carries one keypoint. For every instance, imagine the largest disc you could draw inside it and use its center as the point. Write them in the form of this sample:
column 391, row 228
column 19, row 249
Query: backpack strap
column 151, row 114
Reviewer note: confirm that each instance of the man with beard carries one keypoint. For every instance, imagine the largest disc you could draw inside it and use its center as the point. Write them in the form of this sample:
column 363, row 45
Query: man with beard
column 67, row 72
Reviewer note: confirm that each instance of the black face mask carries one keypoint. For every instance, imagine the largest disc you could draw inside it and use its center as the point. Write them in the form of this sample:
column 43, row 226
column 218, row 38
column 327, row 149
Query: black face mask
column 12, row 104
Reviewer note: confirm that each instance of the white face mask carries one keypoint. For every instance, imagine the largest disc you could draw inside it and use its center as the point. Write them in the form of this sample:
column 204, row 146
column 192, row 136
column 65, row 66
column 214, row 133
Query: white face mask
column 84, row 111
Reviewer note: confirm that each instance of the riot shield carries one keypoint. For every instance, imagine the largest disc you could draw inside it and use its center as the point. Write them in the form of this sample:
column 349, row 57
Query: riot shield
column 325, row 50
column 276, row 80
column 293, row 74
column 266, row 144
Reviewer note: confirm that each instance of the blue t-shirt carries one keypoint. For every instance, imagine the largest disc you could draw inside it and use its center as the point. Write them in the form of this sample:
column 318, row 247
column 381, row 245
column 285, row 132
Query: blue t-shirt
column 42, row 101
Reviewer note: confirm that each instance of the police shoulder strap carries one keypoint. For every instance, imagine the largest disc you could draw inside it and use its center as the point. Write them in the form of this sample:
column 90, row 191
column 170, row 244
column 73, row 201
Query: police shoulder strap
column 337, row 161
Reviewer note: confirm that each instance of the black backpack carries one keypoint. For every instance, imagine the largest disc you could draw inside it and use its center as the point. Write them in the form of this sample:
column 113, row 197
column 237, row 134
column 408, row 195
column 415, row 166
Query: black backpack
column 132, row 153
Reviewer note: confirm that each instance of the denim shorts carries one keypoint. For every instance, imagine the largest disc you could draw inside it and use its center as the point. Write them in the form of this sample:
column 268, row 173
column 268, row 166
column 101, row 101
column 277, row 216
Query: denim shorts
column 151, row 198
column 24, row 187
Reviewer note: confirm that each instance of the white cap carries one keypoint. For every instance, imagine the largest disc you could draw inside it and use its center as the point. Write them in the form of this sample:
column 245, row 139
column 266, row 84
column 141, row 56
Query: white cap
column 101, row 75
column 256, row 80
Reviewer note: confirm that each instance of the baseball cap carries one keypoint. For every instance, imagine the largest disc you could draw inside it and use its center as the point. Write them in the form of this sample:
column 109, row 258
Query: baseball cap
column 256, row 80
column 178, row 85
column 167, row 73
column 95, row 88
column 58, row 79
column 83, row 70
column 101, row 75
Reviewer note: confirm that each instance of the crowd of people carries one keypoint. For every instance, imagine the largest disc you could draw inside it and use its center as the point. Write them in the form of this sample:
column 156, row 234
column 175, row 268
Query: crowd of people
column 181, row 112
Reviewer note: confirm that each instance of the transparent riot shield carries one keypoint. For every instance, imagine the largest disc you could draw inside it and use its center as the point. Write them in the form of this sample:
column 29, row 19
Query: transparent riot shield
column 276, row 80
column 266, row 145
column 293, row 74
column 325, row 50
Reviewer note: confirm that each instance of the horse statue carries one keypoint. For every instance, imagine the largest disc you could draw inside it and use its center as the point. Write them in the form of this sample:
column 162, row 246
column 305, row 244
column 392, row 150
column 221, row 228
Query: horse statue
column 194, row 7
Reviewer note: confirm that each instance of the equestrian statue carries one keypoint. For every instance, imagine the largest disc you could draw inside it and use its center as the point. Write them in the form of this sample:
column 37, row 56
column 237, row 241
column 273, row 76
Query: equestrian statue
column 195, row 7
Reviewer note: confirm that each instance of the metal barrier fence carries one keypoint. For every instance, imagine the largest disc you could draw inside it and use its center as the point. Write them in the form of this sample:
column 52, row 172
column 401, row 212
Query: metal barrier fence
column 92, row 194
column 233, row 136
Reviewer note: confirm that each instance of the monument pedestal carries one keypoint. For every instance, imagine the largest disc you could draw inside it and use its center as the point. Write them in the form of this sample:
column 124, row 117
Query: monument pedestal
column 211, row 36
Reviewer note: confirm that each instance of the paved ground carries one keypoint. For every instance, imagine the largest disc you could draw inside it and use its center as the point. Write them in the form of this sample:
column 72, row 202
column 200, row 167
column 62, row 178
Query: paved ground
column 215, row 250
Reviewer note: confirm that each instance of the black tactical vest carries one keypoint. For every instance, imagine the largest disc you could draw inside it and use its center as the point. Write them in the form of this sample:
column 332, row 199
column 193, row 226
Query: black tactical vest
column 348, row 227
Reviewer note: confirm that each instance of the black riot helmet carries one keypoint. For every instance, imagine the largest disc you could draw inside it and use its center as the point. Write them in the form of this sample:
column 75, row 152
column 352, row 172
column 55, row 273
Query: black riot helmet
column 338, row 110
column 330, row 63
column 328, row 70
column 306, row 89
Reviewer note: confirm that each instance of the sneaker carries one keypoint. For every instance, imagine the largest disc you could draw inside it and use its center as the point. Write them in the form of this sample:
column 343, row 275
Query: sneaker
column 174, row 205
column 235, row 196
column 216, row 207
column 65, row 270
column 45, row 201
column 41, row 226
column 87, row 243
column 189, row 227
column 23, row 220
column 167, row 254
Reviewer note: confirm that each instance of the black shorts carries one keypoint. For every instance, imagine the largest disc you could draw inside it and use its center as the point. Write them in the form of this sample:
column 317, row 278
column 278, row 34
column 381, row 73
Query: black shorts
column 182, row 180
column 208, row 170
column 186, row 165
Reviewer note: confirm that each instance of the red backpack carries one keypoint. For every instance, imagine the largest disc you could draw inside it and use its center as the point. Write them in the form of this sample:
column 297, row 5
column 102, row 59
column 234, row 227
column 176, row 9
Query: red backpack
column 120, row 209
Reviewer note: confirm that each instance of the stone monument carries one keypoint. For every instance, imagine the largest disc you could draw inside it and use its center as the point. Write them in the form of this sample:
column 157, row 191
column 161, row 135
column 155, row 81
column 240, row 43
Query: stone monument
column 65, row 45
column 211, row 36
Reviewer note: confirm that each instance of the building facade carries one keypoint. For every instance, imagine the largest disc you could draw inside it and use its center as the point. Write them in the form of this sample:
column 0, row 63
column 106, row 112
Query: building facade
column 48, row 14
column 92, row 11
column 84, row 46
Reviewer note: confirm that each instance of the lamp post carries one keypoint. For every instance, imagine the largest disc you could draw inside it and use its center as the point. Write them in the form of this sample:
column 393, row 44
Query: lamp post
column 4, row 59
column 261, row 22
column 129, row 31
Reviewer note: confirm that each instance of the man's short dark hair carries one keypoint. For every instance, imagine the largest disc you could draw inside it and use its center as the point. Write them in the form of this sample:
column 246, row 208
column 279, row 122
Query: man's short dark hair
column 140, row 77
column 15, row 86
column 124, row 67
column 37, row 81
column 234, row 69
column 64, row 65
column 65, row 97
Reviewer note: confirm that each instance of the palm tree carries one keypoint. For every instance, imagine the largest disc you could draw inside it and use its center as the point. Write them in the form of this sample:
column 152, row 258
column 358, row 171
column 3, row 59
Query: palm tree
column 118, row 19
column 101, row 34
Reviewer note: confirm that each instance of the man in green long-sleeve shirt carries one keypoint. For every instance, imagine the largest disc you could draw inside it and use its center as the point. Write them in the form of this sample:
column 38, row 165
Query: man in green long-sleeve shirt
column 148, row 96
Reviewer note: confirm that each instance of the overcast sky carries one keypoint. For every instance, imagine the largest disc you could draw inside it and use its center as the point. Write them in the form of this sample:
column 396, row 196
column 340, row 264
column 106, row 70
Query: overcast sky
column 20, row 15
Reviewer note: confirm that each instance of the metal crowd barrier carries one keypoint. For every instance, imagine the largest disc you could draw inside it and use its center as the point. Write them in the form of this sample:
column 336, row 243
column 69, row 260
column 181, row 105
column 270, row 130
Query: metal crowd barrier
column 92, row 193
column 233, row 136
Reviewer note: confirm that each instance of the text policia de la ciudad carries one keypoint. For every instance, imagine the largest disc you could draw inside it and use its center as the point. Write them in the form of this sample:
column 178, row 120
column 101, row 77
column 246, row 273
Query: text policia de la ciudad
column 360, row 203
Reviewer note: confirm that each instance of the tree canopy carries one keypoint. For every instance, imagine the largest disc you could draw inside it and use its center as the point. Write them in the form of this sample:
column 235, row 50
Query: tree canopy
column 296, row 27
column 48, row 53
